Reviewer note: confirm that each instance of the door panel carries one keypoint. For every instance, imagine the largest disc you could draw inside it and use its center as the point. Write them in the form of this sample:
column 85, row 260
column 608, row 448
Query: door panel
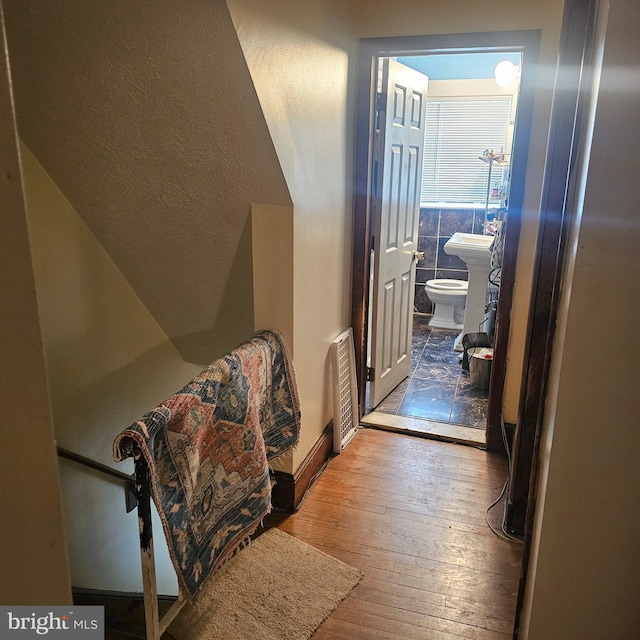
column 401, row 119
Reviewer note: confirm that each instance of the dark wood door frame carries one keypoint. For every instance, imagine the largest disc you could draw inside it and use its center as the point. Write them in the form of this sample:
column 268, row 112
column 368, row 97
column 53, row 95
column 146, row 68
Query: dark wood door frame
column 572, row 87
column 526, row 42
column 559, row 200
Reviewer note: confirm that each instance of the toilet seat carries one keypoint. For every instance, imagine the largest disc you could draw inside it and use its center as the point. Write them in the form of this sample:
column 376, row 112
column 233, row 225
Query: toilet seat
column 447, row 285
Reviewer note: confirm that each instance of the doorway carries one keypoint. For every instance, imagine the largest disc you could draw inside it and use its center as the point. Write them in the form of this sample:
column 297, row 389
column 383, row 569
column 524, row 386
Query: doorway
column 464, row 188
column 525, row 45
column 559, row 200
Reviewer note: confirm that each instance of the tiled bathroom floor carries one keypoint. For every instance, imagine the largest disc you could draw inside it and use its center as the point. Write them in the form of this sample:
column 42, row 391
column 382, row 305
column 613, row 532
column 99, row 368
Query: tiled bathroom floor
column 436, row 389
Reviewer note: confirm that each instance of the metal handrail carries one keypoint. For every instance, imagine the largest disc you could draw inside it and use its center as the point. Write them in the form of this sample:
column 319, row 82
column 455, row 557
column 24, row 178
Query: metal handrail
column 129, row 480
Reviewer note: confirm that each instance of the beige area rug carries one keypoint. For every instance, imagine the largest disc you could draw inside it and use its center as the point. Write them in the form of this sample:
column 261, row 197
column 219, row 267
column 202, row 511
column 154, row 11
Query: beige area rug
column 277, row 588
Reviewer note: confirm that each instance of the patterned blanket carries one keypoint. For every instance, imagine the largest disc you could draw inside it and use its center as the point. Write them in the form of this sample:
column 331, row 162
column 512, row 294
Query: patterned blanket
column 207, row 449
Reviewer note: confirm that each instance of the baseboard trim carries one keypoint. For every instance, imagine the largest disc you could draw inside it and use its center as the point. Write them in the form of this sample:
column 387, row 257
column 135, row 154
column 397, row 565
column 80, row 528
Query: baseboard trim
column 290, row 488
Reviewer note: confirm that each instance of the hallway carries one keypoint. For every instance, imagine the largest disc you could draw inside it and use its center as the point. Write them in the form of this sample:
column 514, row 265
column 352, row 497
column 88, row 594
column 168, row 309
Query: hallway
column 410, row 513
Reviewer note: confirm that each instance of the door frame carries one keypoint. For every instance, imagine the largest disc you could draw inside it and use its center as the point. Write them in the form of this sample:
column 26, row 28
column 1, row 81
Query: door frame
column 560, row 196
column 370, row 49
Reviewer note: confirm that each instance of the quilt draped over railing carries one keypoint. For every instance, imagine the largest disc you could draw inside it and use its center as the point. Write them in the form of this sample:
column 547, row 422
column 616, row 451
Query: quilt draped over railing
column 207, row 449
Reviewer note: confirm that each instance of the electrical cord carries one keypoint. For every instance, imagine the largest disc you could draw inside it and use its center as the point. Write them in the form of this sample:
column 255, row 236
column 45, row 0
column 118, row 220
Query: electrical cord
column 502, row 534
column 495, row 275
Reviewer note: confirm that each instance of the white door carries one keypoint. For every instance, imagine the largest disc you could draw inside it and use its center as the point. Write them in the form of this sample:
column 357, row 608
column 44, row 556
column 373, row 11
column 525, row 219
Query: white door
column 396, row 208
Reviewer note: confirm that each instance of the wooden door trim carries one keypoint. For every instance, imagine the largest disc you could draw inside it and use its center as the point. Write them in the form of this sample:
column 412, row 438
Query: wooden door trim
column 512, row 240
column 369, row 51
column 559, row 199
column 558, row 195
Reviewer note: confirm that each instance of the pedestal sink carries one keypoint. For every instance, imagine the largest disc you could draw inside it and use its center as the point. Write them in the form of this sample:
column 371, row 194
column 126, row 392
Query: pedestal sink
column 475, row 250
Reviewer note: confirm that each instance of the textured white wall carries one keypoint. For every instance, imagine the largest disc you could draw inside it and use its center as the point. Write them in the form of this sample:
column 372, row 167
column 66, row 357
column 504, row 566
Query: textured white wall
column 33, row 554
column 108, row 363
column 298, row 56
column 145, row 116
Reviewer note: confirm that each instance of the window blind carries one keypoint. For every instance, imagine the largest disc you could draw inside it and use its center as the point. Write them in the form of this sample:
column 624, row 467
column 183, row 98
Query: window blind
column 456, row 134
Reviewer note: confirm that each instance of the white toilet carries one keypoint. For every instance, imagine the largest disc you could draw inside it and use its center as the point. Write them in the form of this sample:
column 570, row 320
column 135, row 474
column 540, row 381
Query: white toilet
column 449, row 298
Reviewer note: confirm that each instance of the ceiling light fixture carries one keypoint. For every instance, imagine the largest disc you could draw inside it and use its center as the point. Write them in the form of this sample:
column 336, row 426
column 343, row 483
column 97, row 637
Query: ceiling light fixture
column 506, row 73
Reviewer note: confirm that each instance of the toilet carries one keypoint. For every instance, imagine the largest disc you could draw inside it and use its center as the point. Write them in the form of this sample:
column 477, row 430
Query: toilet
column 449, row 298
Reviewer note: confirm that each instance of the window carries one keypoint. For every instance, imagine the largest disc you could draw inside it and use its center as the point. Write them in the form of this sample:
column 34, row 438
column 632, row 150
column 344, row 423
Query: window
column 457, row 133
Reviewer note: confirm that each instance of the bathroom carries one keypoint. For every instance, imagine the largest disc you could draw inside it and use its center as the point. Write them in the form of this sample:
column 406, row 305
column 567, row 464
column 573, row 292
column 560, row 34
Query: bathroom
column 464, row 190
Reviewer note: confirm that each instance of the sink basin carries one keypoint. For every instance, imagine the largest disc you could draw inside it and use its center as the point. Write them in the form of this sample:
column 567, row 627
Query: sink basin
column 472, row 248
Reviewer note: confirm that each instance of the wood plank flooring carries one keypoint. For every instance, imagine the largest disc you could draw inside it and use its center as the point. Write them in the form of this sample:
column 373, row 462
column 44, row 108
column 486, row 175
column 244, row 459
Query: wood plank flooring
column 410, row 512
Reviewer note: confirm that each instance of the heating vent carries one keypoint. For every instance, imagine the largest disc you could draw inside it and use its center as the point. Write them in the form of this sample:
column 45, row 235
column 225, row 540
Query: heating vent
column 345, row 391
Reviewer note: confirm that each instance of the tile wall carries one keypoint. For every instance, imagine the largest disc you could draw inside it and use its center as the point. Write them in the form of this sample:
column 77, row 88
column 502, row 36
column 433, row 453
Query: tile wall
column 435, row 228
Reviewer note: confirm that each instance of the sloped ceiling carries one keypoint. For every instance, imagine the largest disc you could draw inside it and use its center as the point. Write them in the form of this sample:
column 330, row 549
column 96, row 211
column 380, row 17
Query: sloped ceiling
column 145, row 115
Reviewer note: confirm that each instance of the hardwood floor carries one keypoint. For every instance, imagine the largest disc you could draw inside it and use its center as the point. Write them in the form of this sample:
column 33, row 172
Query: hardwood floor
column 410, row 512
